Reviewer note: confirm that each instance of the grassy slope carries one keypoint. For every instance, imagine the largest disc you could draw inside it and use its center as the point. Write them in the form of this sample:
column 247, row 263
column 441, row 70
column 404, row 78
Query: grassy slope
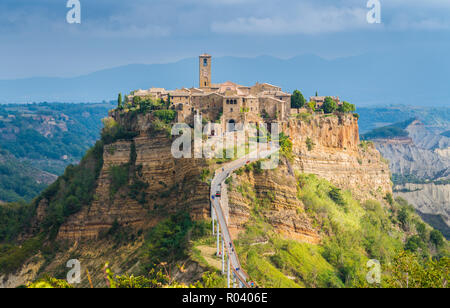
column 352, row 234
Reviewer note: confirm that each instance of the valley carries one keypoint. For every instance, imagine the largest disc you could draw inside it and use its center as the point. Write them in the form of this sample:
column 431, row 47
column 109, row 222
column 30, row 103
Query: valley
column 420, row 164
column 38, row 141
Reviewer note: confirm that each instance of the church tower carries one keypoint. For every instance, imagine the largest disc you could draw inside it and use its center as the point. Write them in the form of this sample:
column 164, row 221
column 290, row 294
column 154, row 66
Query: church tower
column 205, row 71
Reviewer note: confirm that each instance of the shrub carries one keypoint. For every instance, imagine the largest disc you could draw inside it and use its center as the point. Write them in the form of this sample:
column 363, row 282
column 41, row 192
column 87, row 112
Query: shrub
column 413, row 243
column 336, row 195
column 119, row 178
column 286, row 146
column 167, row 241
column 205, row 175
column 436, row 238
column 310, row 144
column 112, row 132
column 389, row 199
column 346, row 107
column 167, row 116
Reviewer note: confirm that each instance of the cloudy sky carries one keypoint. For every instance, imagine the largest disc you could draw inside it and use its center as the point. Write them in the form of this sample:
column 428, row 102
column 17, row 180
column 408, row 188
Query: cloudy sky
column 36, row 40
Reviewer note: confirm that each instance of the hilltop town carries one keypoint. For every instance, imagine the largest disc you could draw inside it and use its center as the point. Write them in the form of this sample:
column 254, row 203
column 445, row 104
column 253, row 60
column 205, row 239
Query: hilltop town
column 230, row 104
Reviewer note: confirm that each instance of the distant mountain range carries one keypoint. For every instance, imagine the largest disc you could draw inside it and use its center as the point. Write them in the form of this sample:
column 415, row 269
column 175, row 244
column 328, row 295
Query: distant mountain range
column 419, row 78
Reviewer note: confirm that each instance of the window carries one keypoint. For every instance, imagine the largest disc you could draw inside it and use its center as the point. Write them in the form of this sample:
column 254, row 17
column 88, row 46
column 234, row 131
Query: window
column 205, row 62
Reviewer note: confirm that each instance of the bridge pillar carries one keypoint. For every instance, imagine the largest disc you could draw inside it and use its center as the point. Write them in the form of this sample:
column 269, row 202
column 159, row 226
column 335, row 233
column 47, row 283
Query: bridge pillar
column 228, row 273
column 223, row 256
column 213, row 218
column 218, row 238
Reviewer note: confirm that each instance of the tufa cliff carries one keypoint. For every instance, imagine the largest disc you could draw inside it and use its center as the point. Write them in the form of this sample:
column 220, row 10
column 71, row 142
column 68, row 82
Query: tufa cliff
column 328, row 147
column 155, row 184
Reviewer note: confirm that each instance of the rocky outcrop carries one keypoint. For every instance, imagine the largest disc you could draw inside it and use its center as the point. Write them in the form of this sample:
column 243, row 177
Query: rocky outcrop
column 425, row 139
column 277, row 191
column 427, row 198
column 172, row 185
column 329, row 147
column 167, row 184
column 326, row 146
column 423, row 154
column 408, row 159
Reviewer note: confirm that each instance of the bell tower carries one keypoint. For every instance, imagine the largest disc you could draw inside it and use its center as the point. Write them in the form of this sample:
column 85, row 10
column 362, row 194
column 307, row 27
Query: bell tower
column 205, row 71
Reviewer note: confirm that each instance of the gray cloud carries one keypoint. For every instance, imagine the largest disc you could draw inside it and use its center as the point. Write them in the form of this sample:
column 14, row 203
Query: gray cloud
column 36, row 40
column 298, row 19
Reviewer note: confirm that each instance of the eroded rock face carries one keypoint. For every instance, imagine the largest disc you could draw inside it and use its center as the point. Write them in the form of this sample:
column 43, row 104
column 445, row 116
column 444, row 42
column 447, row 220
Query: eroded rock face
column 174, row 184
column 427, row 198
column 337, row 156
column 421, row 158
column 278, row 188
column 409, row 159
column 334, row 153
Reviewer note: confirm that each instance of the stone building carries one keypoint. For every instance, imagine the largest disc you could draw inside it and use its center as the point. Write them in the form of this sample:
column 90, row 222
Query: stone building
column 319, row 100
column 225, row 103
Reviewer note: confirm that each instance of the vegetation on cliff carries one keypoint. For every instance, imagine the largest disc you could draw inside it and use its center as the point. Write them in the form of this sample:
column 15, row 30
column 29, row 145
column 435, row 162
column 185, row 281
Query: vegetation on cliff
column 352, row 233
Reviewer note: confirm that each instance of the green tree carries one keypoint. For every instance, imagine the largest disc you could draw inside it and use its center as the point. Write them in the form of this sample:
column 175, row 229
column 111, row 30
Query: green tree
column 168, row 101
column 329, row 106
column 119, row 101
column 413, row 243
column 437, row 238
column 346, row 107
column 312, row 105
column 336, row 195
column 389, row 199
column 297, row 100
column 137, row 100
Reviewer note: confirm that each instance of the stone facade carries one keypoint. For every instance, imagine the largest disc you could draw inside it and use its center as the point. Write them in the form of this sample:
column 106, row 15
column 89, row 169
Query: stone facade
column 226, row 103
